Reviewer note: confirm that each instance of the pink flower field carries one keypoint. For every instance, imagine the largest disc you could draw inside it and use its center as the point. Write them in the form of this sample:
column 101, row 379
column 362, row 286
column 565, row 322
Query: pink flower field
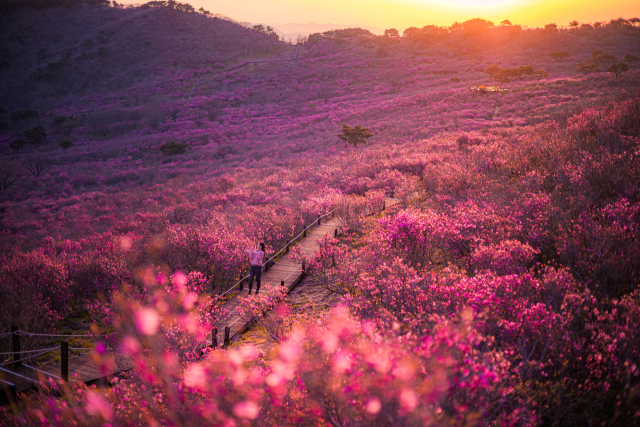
column 144, row 149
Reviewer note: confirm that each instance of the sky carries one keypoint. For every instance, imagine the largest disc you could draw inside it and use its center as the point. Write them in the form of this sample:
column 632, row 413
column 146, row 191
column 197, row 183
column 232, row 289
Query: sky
column 406, row 13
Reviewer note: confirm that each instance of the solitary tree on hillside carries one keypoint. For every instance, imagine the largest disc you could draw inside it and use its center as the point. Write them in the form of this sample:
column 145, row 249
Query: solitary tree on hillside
column 354, row 136
column 506, row 23
column 574, row 24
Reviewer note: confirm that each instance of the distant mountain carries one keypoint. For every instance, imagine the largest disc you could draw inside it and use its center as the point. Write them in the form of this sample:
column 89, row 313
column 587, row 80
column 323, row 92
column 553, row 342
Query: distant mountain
column 292, row 30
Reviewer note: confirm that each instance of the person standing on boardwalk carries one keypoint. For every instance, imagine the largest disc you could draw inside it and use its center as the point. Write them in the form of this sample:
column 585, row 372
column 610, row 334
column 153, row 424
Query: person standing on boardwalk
column 256, row 255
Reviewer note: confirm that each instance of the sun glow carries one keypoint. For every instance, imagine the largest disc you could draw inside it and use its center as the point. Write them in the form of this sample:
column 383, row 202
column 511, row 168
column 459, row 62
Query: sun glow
column 405, row 13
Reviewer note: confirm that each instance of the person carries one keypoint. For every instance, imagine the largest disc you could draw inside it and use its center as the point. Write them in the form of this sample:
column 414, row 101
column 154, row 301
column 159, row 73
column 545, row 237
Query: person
column 256, row 255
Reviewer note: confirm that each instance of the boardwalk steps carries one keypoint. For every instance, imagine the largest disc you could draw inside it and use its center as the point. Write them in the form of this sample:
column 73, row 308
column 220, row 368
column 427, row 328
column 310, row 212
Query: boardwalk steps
column 286, row 272
column 26, row 376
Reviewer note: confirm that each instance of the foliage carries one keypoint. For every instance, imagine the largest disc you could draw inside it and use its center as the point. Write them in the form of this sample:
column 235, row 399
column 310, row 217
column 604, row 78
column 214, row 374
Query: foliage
column 173, row 148
column 354, row 136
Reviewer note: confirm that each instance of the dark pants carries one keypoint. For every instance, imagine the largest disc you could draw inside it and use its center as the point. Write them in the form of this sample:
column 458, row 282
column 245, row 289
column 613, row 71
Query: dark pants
column 256, row 270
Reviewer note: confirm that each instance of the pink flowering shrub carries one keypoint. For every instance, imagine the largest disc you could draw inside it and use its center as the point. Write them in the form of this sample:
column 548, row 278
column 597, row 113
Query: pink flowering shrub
column 255, row 308
column 506, row 257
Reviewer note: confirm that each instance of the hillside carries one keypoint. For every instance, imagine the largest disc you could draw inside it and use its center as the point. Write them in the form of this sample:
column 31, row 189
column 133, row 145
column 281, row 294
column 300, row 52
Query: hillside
column 56, row 55
column 502, row 290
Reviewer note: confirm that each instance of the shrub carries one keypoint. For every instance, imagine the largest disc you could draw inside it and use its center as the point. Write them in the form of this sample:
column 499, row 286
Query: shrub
column 173, row 148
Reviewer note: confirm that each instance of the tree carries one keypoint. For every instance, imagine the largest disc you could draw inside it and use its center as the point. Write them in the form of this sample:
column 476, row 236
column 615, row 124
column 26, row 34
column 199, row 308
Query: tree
column 198, row 117
column 17, row 144
column 172, row 148
column 155, row 116
column 315, row 38
column 135, row 116
column 628, row 58
column 605, row 59
column 634, row 21
column 549, row 28
column 588, row 67
column 354, row 136
column 412, row 33
column 173, row 109
column 506, row 23
column 506, row 74
column 492, row 70
column 472, row 25
column 21, row 115
column 36, row 164
column 65, row 143
column 617, row 69
column 559, row 54
column 574, row 24
column 56, row 124
column 9, row 174
column 620, row 23
column 540, row 74
column 392, row 33
column 35, row 135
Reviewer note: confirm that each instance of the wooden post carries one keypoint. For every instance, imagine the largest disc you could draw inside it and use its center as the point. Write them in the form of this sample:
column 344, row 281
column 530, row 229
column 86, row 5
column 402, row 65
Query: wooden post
column 214, row 338
column 335, row 233
column 242, row 285
column 304, row 233
column 304, row 269
column 64, row 361
column 287, row 250
column 318, row 220
column 282, row 283
column 15, row 346
column 227, row 340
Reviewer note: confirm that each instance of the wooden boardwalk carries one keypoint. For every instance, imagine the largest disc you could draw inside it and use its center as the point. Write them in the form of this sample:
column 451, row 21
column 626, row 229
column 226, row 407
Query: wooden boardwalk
column 82, row 369
column 286, row 270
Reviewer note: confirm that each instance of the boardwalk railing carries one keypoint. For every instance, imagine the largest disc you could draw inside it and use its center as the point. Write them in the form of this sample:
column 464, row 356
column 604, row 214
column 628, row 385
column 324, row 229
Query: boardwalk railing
column 19, row 368
column 285, row 249
column 17, row 353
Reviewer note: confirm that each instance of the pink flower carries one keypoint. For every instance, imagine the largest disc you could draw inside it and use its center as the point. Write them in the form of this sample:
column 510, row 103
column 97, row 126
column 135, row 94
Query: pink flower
column 373, row 405
column 147, row 321
column 247, row 410
column 97, row 405
column 195, row 377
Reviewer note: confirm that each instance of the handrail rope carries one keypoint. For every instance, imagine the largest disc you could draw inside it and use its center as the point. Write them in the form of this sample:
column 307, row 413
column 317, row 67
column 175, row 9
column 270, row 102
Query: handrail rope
column 81, row 348
column 27, row 358
column 27, row 351
column 23, row 333
column 299, row 234
column 7, row 334
column 276, row 254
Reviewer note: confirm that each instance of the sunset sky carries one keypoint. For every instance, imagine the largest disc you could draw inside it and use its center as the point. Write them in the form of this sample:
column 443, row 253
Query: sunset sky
column 406, row 13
